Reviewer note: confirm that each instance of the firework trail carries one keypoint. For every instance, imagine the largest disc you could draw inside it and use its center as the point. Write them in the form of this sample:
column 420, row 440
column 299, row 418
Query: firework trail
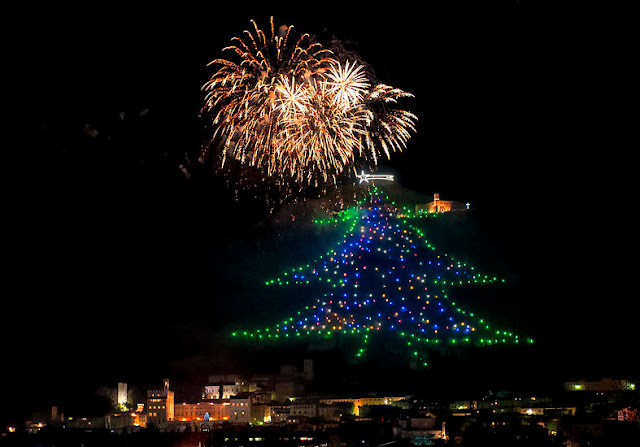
column 291, row 110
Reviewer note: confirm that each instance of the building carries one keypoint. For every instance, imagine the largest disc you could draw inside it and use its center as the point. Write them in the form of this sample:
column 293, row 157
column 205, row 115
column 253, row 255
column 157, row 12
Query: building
column 239, row 409
column 260, row 414
column 121, row 395
column 333, row 413
column 225, row 386
column 160, row 405
column 236, row 410
column 290, row 372
column 440, row 206
column 304, row 408
column 421, row 431
column 122, row 421
column 288, row 390
column 358, row 402
column 262, row 397
column 220, row 391
column 279, row 413
column 308, row 370
column 201, row 411
column 602, row 385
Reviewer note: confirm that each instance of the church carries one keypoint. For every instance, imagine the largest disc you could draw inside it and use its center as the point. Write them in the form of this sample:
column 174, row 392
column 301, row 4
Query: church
column 440, row 206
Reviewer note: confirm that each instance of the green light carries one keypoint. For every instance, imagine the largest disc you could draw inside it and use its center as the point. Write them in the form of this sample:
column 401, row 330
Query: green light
column 340, row 263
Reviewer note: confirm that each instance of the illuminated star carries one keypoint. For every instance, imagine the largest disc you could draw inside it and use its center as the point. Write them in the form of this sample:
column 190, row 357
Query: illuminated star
column 366, row 177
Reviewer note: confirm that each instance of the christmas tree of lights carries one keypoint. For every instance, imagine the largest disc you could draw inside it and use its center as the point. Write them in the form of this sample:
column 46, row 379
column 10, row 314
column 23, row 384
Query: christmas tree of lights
column 384, row 278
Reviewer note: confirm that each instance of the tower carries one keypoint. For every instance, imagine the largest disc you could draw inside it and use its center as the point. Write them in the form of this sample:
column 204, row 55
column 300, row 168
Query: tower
column 160, row 404
column 121, row 398
column 308, row 369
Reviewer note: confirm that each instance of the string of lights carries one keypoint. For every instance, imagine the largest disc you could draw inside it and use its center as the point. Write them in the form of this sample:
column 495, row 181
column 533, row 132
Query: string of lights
column 385, row 276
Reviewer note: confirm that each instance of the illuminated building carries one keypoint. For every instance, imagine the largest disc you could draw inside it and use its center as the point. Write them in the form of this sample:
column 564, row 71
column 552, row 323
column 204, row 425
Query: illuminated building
column 225, row 386
column 239, row 410
column 236, row 410
column 118, row 421
column 220, row 391
column 201, row 411
column 362, row 401
column 260, row 414
column 421, row 431
column 440, row 206
column 160, row 405
column 602, row 385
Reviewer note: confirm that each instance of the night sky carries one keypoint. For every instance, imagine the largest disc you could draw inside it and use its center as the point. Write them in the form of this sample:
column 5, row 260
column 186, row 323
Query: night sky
column 121, row 268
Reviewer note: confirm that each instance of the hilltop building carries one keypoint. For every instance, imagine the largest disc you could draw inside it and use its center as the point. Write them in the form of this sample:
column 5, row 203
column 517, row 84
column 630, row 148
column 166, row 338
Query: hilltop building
column 440, row 206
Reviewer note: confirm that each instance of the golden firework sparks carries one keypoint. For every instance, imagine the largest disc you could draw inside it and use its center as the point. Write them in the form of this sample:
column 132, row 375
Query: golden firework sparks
column 290, row 109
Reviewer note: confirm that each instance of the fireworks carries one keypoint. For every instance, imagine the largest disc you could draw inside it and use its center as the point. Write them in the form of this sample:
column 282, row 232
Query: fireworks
column 293, row 111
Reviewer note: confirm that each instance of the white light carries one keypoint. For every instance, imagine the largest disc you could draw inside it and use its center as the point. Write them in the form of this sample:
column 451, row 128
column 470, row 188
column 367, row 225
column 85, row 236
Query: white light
column 366, row 177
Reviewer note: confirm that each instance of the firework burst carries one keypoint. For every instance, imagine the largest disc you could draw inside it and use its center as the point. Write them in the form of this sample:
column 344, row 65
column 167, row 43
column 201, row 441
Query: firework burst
column 297, row 115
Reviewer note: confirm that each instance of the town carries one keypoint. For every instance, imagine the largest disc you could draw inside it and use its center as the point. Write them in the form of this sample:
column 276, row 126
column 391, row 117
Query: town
column 283, row 409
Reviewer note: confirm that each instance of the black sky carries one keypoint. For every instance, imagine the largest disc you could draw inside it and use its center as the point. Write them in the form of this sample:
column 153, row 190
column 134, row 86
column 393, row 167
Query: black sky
column 521, row 112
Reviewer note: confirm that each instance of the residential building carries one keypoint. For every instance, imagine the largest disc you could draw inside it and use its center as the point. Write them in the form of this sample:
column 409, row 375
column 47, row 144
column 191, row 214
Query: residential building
column 304, row 408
